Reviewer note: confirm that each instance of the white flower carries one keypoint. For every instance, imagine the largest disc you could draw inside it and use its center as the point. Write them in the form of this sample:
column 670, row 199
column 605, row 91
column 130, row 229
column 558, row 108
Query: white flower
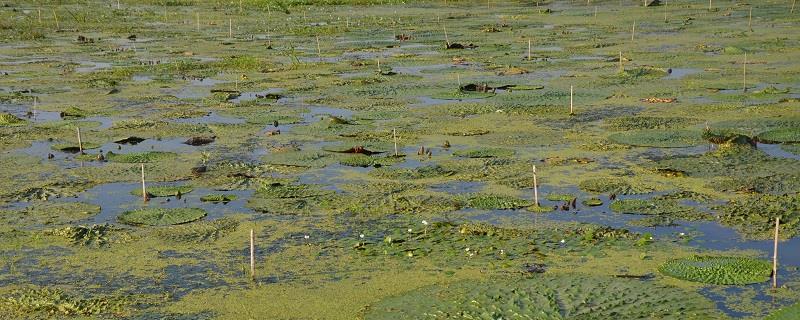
column 682, row 234
column 467, row 249
column 425, row 222
column 409, row 229
column 651, row 238
column 502, row 251
column 361, row 236
column 305, row 236
column 563, row 241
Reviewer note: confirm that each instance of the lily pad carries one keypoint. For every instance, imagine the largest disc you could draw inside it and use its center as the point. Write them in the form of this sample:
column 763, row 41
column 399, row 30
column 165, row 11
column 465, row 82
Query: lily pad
column 163, row 191
column 657, row 138
column 140, row 157
column 484, row 153
column 218, row 198
column 718, row 270
column 161, row 216
column 786, row 135
column 7, row 119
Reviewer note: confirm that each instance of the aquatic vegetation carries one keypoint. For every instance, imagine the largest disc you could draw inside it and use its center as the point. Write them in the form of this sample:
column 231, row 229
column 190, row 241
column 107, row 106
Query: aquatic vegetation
column 95, row 235
column 657, row 138
column 497, row 202
column 718, row 270
column 755, row 216
column 786, row 135
column 40, row 213
column 785, row 313
column 140, row 157
column 430, row 171
column 73, row 147
column 731, row 162
column 47, row 303
column 289, row 191
column 566, row 296
column 727, row 136
column 484, row 153
column 199, row 232
column 161, row 216
column 646, row 122
column 218, row 197
column 592, row 202
column 7, row 119
column 612, row 185
column 368, row 161
column 163, row 191
column 560, row 197
column 664, row 207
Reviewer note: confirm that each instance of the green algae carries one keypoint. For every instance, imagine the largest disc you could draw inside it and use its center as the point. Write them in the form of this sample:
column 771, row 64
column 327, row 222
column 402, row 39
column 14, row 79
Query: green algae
column 46, row 302
column 199, row 232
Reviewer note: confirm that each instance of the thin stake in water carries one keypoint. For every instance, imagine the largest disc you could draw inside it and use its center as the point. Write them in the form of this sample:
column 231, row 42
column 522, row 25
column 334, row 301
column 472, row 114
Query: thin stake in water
column 621, row 68
column 197, row 20
column 775, row 254
column 529, row 50
column 55, row 16
column 750, row 20
column 633, row 30
column 394, row 137
column 571, row 112
column 446, row 41
column 744, row 73
column 535, row 188
column 252, row 254
column 144, row 189
column 319, row 51
column 80, row 143
column 230, row 28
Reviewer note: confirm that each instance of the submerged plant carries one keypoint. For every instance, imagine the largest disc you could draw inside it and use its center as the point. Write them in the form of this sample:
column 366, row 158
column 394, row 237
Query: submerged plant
column 718, row 270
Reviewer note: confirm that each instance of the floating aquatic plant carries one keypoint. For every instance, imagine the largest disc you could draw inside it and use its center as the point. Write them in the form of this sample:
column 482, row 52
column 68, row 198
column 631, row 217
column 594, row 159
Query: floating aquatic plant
column 218, row 198
column 755, row 216
column 547, row 297
column 612, row 185
column 646, row 122
column 203, row 231
column 47, row 302
column 718, row 270
column 95, row 235
column 140, row 157
column 163, row 191
column 161, row 216
column 7, row 119
column 657, row 138
column 484, row 153
column 498, row 202
column 657, row 207
column 785, row 135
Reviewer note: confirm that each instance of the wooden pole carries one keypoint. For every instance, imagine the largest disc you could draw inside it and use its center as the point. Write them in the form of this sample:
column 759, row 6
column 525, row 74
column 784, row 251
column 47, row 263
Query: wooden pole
column 394, row 137
column 570, row 101
column 80, row 143
column 252, row 254
column 775, row 254
column 446, row 41
column 620, row 62
column 35, row 104
column 633, row 31
column 39, row 12
column 144, row 189
column 55, row 16
column 709, row 5
column 744, row 74
column 535, row 188
column 529, row 50
column 319, row 51
column 665, row 12
column 793, row 2
column 230, row 28
column 750, row 20
column 118, row 6
column 197, row 20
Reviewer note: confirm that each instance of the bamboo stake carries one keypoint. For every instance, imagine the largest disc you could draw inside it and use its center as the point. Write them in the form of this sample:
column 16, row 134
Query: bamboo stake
column 80, row 143
column 118, row 6
column 55, row 16
column 39, row 12
column 230, row 28
column 529, row 50
column 570, row 102
column 709, row 5
column 252, row 254
column 458, row 78
column 633, row 31
column 620, row 62
column 446, row 41
column 665, row 12
column 744, row 74
column 319, row 51
column 775, row 254
column 750, row 20
column 144, row 189
column 793, row 2
column 197, row 20
column 535, row 188
column 35, row 104
column 394, row 137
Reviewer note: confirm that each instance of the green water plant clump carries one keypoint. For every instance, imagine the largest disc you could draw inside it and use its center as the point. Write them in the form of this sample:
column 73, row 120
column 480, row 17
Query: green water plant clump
column 161, row 216
column 785, row 313
column 496, row 202
column 7, row 119
column 646, row 122
column 592, row 202
column 164, row 191
column 424, row 172
column 785, row 135
column 218, row 197
column 726, row 137
column 95, row 235
column 755, row 216
column 612, row 185
column 140, row 157
column 718, row 270
column 664, row 207
column 203, row 231
column 365, row 161
column 657, row 138
column 547, row 297
column 39, row 303
column 484, row 153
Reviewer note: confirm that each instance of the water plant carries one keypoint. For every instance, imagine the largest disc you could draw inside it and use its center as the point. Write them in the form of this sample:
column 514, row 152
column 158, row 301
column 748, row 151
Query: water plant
column 718, row 270
column 161, row 216
column 140, row 157
column 199, row 232
column 46, row 302
column 163, row 191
